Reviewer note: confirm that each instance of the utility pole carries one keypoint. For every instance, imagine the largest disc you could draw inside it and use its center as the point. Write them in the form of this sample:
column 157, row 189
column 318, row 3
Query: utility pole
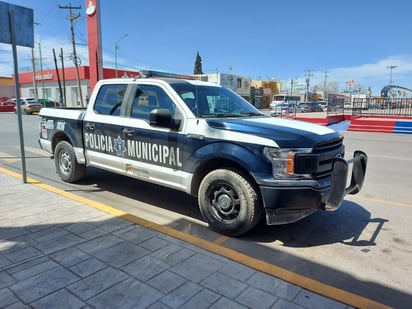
column 76, row 60
column 308, row 74
column 324, row 86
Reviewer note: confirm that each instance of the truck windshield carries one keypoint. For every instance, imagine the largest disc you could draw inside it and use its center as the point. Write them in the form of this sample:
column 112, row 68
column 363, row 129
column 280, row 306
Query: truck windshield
column 209, row 101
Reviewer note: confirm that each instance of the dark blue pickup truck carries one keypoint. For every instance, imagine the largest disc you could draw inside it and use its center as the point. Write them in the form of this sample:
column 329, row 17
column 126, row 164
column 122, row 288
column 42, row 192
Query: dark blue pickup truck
column 205, row 140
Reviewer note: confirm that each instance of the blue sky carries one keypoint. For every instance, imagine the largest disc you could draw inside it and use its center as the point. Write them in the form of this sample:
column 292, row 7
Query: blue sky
column 262, row 39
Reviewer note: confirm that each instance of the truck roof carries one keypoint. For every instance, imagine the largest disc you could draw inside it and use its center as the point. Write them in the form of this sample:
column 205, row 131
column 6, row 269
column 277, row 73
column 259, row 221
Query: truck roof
column 165, row 79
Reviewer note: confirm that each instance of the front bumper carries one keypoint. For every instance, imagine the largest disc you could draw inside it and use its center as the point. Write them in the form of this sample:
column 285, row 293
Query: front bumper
column 287, row 204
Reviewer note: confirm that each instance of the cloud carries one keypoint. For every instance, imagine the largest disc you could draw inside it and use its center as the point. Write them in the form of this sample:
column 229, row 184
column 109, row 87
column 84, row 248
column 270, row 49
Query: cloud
column 45, row 47
column 375, row 75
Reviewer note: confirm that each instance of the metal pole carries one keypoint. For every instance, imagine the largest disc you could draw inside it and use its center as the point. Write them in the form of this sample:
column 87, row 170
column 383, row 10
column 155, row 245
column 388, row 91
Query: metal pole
column 42, row 74
column 64, row 80
column 391, row 67
column 36, row 94
column 58, row 75
column 17, row 84
column 116, row 47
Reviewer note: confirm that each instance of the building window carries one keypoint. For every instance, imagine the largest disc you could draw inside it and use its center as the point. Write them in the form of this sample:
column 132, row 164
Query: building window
column 239, row 83
column 74, row 94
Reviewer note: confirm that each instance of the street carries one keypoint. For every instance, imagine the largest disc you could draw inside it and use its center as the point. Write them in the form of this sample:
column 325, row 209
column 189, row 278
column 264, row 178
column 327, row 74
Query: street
column 364, row 247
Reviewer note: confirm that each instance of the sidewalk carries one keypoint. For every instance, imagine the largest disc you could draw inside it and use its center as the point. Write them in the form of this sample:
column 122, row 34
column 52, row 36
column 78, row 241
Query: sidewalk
column 59, row 253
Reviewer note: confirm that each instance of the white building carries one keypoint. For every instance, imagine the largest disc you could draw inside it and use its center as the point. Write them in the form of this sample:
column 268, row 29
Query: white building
column 239, row 84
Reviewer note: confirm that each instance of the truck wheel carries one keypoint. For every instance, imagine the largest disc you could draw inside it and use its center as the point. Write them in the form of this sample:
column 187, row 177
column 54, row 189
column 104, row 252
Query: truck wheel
column 67, row 167
column 228, row 202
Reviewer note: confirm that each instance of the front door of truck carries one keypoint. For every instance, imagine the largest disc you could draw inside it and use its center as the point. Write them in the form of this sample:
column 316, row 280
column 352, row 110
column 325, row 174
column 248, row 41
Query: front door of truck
column 151, row 153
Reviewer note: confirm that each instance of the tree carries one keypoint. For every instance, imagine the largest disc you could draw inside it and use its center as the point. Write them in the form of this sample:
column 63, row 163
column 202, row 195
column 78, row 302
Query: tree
column 198, row 65
column 331, row 87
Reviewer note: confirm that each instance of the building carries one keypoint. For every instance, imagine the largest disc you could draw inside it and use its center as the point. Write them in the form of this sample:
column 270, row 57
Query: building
column 262, row 92
column 239, row 84
column 47, row 84
column 7, row 87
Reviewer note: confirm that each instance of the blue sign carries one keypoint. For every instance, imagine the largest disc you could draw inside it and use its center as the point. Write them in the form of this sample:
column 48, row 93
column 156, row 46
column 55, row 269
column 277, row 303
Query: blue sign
column 23, row 24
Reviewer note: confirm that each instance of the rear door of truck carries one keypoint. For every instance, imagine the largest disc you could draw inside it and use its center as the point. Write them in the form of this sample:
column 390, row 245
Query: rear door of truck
column 102, row 128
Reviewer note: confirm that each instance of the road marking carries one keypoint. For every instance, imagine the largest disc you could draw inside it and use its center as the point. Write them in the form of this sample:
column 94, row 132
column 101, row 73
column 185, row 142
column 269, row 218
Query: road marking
column 220, row 240
column 390, row 157
column 8, row 158
column 309, row 284
column 37, row 151
column 372, row 199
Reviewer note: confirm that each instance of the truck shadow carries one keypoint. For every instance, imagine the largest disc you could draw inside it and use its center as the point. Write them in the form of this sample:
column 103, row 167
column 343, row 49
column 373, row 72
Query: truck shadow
column 342, row 226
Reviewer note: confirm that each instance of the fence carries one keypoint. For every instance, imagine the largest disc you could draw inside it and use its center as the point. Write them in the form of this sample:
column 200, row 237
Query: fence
column 399, row 107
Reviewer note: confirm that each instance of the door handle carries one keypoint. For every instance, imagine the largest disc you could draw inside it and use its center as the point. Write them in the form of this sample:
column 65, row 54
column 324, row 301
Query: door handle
column 128, row 132
column 89, row 126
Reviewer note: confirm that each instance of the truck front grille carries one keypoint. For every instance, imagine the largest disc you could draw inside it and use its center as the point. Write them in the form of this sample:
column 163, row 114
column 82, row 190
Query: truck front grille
column 328, row 145
column 319, row 162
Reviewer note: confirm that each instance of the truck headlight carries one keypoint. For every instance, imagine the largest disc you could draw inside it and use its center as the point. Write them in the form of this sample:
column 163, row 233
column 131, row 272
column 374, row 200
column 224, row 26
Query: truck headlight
column 283, row 162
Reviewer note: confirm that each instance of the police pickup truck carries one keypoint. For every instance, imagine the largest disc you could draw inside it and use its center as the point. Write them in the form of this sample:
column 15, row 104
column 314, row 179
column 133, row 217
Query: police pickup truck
column 204, row 140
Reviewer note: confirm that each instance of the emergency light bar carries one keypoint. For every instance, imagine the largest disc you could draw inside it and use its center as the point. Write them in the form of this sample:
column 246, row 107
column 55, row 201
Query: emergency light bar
column 149, row 73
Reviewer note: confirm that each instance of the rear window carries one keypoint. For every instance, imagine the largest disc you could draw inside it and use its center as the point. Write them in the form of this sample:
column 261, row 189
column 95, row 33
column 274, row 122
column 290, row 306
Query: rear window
column 109, row 99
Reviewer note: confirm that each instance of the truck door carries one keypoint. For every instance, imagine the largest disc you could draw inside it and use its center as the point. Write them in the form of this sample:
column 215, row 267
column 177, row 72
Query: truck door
column 102, row 129
column 152, row 153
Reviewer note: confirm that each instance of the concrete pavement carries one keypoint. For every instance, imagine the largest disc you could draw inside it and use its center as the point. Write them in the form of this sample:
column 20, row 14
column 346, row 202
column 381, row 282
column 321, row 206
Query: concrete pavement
column 61, row 251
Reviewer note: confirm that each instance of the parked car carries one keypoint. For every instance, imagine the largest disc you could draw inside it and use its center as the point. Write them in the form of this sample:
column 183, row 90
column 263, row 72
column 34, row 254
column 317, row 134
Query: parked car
column 48, row 103
column 309, row 107
column 7, row 106
column 4, row 99
column 324, row 105
column 29, row 107
column 328, row 106
column 282, row 109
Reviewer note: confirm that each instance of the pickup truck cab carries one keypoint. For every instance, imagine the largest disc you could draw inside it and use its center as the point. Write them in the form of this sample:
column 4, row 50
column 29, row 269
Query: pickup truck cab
column 205, row 140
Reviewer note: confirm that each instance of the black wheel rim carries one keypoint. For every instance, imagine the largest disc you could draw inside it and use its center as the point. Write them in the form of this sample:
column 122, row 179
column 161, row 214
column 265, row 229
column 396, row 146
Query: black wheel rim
column 225, row 201
column 65, row 162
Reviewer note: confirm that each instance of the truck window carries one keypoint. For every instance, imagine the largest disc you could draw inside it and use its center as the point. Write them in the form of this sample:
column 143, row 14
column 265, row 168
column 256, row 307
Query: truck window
column 109, row 99
column 149, row 97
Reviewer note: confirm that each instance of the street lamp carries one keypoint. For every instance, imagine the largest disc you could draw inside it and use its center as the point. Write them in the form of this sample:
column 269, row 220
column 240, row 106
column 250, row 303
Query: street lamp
column 391, row 67
column 116, row 47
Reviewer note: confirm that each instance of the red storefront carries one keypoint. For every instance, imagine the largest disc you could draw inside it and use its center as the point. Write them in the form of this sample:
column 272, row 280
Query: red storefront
column 46, row 84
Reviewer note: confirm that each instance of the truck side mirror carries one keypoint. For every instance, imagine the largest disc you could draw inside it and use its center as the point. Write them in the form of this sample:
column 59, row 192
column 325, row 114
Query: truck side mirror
column 163, row 118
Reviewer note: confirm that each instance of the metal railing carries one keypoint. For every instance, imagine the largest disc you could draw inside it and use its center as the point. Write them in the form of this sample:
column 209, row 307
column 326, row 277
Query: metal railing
column 397, row 107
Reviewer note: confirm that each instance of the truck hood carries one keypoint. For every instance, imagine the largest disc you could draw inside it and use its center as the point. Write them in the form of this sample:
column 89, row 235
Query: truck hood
column 286, row 133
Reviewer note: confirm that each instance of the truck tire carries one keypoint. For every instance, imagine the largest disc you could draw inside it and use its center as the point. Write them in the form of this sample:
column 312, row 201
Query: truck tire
column 228, row 202
column 67, row 167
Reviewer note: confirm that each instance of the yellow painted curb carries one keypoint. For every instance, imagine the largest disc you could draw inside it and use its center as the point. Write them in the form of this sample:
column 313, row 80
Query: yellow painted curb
column 309, row 284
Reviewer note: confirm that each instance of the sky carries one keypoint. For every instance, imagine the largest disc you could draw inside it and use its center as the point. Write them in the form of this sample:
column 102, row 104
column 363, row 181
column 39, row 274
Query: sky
column 281, row 40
